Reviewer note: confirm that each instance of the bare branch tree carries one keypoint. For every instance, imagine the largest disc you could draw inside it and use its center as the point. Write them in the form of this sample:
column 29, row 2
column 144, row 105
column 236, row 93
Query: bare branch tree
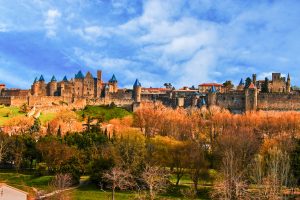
column 156, row 180
column 118, row 178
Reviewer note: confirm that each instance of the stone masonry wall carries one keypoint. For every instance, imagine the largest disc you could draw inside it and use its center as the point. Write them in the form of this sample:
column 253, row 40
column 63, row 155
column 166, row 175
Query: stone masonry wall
column 273, row 101
column 231, row 101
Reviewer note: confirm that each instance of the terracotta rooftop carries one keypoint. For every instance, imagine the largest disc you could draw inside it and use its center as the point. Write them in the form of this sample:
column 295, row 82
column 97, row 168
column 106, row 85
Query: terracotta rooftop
column 251, row 86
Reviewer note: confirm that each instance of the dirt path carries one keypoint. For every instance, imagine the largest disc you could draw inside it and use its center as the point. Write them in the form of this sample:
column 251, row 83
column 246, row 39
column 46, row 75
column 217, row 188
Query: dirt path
column 81, row 183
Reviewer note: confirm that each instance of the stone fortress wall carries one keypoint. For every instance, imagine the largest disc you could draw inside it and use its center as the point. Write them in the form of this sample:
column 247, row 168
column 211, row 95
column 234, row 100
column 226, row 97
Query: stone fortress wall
column 239, row 100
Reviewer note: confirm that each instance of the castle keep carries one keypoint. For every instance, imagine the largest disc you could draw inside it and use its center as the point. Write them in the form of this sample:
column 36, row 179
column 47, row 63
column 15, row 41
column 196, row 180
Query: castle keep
column 82, row 90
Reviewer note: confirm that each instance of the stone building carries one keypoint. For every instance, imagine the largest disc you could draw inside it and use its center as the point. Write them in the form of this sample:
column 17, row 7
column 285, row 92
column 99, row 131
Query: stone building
column 277, row 84
column 80, row 86
column 206, row 87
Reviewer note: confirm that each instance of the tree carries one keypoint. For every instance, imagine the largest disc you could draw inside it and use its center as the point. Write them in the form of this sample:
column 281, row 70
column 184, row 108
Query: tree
column 156, row 180
column 118, row 178
column 228, row 85
column 247, row 82
column 59, row 184
column 295, row 162
column 18, row 150
column 197, row 163
column 265, row 86
column 4, row 145
column 35, row 128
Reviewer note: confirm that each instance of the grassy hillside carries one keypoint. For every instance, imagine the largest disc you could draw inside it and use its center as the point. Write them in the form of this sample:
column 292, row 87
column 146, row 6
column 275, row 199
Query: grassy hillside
column 7, row 113
column 105, row 112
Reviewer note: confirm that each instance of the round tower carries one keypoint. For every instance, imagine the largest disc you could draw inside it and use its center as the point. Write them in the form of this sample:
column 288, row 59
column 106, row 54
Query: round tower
column 212, row 97
column 52, row 86
column 137, row 91
column 35, row 87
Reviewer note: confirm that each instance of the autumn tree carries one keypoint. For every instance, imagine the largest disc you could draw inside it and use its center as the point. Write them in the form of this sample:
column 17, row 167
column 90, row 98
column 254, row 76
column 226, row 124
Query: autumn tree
column 118, row 178
column 156, row 179
column 4, row 145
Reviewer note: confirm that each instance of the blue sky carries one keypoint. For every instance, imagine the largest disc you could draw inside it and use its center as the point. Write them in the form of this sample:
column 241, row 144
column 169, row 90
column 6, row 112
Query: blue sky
column 182, row 42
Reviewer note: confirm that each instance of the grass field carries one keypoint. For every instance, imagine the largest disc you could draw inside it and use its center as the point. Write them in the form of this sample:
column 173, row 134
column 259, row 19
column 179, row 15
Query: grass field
column 91, row 192
column 27, row 181
column 24, row 179
column 7, row 113
column 105, row 112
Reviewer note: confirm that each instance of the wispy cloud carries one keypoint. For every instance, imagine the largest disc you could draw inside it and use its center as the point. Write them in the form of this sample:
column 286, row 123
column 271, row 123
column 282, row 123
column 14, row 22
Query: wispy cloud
column 51, row 18
column 183, row 42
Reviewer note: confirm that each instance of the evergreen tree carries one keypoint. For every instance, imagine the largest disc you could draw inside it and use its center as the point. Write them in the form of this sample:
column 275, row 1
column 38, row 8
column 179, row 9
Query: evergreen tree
column 248, row 82
column 59, row 131
column 265, row 86
column 48, row 129
column 295, row 162
column 36, row 126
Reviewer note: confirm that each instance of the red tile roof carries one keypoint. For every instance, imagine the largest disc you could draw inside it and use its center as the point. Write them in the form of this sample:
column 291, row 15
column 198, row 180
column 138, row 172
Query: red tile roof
column 251, row 86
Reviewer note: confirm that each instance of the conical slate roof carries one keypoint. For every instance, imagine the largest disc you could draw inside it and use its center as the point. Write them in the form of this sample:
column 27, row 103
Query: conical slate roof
column 137, row 83
column 41, row 78
column 113, row 79
column 53, row 78
column 79, row 75
column 65, row 79
column 241, row 82
column 35, row 80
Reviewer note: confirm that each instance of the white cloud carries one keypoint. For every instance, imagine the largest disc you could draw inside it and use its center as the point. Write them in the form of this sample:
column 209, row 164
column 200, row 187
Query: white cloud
column 52, row 16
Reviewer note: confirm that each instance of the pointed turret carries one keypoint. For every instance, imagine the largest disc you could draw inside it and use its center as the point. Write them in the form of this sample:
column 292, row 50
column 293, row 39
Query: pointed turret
column 137, row 83
column 35, row 80
column 79, row 75
column 113, row 79
column 241, row 82
column 41, row 78
column 137, row 91
column 65, row 79
column 89, row 75
column 53, row 79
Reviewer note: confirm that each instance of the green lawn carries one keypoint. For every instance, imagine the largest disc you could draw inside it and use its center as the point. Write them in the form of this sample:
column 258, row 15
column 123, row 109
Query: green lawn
column 8, row 112
column 26, row 182
column 24, row 179
column 46, row 117
column 92, row 192
column 105, row 112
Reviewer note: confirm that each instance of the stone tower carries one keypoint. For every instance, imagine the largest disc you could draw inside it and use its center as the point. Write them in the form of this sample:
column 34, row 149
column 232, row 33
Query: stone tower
column 212, row 96
column 241, row 85
column 52, row 87
column 137, row 91
column 113, row 84
column 288, row 84
column 39, row 87
column 35, row 87
column 99, row 83
column 251, row 98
